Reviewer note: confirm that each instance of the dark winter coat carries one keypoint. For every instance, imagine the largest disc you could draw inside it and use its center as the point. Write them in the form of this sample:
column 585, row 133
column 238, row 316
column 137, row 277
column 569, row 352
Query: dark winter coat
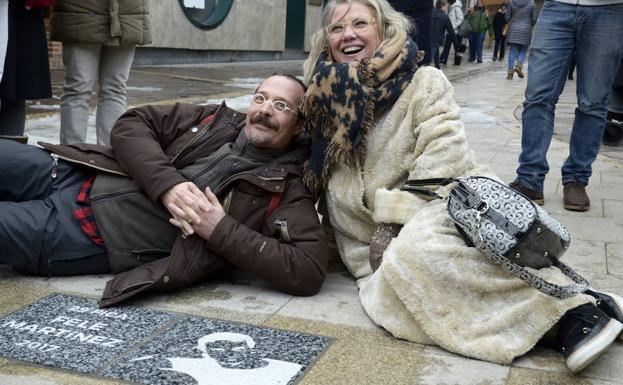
column 26, row 67
column 421, row 12
column 523, row 15
column 441, row 26
column 109, row 22
column 285, row 247
column 499, row 20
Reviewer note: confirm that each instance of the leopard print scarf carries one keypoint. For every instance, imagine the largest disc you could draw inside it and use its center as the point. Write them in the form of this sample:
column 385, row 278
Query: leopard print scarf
column 343, row 102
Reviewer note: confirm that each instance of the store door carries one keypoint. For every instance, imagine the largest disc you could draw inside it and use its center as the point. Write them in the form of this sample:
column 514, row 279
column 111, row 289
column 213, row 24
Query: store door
column 295, row 24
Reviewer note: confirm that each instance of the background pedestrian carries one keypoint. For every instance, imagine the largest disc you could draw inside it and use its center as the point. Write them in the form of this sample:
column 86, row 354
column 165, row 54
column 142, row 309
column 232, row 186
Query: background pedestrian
column 562, row 31
column 455, row 13
column 99, row 39
column 441, row 27
column 479, row 23
column 26, row 71
column 521, row 16
column 499, row 21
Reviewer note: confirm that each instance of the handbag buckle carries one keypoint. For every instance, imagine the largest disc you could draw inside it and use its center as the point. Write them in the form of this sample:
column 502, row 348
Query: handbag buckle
column 479, row 212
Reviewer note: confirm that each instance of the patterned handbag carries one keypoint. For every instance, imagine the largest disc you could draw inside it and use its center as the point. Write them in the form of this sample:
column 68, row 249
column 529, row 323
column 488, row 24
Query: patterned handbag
column 509, row 228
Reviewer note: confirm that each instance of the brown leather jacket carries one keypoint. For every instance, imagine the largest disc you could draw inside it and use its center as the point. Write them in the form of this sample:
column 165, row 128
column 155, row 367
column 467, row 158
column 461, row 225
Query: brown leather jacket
column 287, row 248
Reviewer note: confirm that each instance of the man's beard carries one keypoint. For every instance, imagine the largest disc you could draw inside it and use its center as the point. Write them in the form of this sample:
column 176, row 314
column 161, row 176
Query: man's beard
column 261, row 137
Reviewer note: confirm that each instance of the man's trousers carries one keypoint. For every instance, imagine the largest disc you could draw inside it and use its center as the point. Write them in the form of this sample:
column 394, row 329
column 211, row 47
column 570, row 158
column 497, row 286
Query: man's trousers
column 38, row 233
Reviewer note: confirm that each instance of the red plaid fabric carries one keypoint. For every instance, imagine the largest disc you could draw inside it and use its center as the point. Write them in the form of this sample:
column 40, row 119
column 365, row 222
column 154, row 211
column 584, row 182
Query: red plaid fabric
column 84, row 214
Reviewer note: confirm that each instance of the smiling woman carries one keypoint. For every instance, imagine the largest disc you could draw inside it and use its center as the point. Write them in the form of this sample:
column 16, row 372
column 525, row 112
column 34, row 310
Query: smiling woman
column 376, row 120
column 352, row 33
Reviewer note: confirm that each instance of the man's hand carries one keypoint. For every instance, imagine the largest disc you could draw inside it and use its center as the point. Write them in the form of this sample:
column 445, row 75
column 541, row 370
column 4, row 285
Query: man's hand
column 183, row 201
column 210, row 212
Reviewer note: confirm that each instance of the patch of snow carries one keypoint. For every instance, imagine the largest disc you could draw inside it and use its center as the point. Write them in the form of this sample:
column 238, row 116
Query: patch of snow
column 250, row 83
column 143, row 89
column 239, row 103
column 45, row 106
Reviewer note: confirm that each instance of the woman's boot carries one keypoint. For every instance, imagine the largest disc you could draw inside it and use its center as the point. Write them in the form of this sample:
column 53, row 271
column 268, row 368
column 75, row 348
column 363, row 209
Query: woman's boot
column 518, row 70
column 509, row 75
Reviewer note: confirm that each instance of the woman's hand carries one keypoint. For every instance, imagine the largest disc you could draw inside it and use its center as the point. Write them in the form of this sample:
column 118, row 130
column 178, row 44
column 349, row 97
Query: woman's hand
column 381, row 238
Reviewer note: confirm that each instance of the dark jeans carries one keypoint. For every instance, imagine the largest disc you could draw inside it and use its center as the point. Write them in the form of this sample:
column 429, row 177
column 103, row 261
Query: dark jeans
column 446, row 47
column 499, row 46
column 436, row 56
column 38, row 232
column 476, row 41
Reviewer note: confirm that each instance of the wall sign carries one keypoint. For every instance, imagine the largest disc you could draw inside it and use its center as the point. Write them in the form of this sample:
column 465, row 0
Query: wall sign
column 206, row 14
column 150, row 347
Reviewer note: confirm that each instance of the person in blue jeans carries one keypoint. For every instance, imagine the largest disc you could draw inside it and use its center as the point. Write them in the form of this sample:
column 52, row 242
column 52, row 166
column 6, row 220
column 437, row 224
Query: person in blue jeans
column 591, row 30
column 521, row 16
column 479, row 23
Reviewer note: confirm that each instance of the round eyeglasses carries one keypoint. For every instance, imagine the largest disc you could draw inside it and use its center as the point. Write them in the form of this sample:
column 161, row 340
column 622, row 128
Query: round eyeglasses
column 278, row 105
column 359, row 24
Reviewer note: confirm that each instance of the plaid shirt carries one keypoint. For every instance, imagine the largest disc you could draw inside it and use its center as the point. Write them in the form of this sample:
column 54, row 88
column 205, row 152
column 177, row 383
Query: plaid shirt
column 84, row 214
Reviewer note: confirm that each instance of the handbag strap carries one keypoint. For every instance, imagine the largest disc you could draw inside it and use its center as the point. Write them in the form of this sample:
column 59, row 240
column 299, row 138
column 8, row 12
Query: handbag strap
column 579, row 286
column 414, row 186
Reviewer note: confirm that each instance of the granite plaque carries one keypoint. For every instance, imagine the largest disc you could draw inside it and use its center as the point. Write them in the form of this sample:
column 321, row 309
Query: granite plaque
column 150, row 347
column 220, row 352
column 74, row 333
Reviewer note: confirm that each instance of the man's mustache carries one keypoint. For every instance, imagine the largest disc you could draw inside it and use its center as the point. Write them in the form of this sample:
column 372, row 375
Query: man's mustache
column 264, row 121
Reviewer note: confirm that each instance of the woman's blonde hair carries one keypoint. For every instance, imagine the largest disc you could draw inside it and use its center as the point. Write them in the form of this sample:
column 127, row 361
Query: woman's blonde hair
column 389, row 22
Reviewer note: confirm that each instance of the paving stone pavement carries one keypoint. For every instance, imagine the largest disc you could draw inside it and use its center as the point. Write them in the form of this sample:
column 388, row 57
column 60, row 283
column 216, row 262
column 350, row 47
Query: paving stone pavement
column 361, row 352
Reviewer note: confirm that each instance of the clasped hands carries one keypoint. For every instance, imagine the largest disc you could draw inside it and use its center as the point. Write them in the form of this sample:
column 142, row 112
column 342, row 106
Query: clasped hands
column 193, row 211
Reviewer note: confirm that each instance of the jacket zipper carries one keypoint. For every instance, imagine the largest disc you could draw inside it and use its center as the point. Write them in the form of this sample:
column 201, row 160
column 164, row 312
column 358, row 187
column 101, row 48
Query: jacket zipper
column 54, row 165
column 283, row 227
column 112, row 195
column 71, row 160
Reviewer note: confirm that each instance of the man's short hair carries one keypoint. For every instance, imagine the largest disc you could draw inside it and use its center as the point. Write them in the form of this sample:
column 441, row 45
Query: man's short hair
column 224, row 336
column 293, row 78
column 289, row 76
column 440, row 3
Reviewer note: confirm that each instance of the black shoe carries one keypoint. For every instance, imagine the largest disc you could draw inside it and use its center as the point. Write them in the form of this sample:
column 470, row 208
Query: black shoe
column 584, row 334
column 609, row 303
column 444, row 62
column 535, row 196
column 479, row 61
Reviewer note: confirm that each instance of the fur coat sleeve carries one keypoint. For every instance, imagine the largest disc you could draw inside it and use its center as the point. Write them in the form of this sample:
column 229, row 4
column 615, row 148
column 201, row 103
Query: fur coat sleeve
column 428, row 120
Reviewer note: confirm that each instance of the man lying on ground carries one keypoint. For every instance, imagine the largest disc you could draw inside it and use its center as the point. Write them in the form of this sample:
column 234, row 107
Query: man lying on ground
column 185, row 191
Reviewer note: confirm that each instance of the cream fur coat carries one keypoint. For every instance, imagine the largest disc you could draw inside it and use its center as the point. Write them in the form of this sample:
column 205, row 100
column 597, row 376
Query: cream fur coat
column 431, row 288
